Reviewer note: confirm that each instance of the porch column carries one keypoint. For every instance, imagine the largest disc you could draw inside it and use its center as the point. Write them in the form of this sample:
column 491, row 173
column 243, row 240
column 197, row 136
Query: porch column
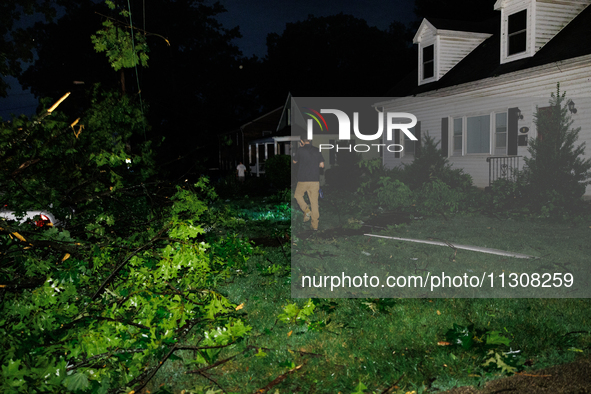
column 257, row 153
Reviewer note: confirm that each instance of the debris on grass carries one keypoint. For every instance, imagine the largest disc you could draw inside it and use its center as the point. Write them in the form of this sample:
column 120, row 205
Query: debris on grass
column 454, row 246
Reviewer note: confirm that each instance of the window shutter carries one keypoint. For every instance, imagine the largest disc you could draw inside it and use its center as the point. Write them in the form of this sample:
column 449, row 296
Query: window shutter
column 418, row 141
column 332, row 155
column 397, row 141
column 444, row 136
column 512, row 131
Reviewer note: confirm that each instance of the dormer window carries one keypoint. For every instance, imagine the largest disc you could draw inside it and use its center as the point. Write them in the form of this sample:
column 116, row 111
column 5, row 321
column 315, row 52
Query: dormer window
column 444, row 46
column 518, row 27
column 517, row 33
column 528, row 25
column 428, row 61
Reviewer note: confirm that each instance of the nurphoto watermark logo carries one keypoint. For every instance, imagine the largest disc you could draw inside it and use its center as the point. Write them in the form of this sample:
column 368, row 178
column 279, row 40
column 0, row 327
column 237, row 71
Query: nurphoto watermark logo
column 402, row 121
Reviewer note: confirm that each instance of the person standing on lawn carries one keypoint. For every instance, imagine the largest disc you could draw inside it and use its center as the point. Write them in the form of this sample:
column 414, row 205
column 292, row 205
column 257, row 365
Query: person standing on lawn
column 240, row 172
column 310, row 161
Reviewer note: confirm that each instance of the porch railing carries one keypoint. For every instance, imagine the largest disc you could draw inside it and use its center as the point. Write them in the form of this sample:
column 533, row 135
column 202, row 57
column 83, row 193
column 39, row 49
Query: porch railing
column 502, row 167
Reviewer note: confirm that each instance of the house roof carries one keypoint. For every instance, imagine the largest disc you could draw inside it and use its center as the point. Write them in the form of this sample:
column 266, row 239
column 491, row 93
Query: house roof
column 266, row 122
column 484, row 61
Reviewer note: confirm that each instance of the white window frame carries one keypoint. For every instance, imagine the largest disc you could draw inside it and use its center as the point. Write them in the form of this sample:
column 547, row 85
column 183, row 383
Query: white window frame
column 529, row 33
column 519, row 32
column 494, row 132
column 424, row 44
column 461, row 119
column 404, row 141
column 491, row 133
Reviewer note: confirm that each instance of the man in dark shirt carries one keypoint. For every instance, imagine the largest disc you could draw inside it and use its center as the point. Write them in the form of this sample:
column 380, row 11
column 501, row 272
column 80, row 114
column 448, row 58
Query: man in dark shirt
column 310, row 161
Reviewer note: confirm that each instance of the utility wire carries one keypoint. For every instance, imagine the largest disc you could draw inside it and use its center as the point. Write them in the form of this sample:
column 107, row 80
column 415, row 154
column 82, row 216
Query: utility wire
column 137, row 78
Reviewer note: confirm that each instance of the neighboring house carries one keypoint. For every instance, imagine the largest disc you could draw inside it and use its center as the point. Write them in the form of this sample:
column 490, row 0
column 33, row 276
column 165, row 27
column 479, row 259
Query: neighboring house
column 269, row 135
column 477, row 86
column 257, row 141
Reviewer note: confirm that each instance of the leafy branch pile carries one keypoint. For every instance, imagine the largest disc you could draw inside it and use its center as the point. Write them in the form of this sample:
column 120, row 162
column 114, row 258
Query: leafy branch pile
column 99, row 302
column 490, row 346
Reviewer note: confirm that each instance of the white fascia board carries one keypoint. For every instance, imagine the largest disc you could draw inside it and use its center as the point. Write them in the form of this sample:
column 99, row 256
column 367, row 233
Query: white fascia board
column 499, row 4
column 564, row 2
column 475, row 86
column 513, row 77
column 503, row 3
column 286, row 138
column 463, row 34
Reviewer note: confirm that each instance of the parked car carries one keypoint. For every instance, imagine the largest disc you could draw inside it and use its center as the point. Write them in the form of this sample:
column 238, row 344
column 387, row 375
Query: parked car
column 39, row 218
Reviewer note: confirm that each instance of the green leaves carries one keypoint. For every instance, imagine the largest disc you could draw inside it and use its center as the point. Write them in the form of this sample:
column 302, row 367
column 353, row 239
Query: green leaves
column 217, row 305
column 500, row 361
column 463, row 336
column 487, row 345
column 293, row 314
column 360, row 388
column 231, row 333
column 77, row 381
column 124, row 48
column 164, row 285
column 494, row 338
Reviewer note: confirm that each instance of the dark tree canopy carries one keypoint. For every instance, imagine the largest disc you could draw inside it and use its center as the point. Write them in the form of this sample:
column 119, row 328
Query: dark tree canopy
column 16, row 38
column 337, row 55
column 193, row 83
column 465, row 10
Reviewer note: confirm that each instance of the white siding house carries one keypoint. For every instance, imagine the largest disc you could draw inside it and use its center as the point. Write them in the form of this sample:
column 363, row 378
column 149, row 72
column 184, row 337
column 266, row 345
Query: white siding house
column 479, row 93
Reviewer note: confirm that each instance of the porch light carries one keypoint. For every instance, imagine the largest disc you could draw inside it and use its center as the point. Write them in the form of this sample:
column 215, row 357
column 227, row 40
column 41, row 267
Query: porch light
column 571, row 107
column 519, row 115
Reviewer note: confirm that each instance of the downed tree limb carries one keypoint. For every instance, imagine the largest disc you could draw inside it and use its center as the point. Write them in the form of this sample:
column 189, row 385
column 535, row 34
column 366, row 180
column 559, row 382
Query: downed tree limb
column 393, row 386
column 278, row 380
column 465, row 247
column 532, row 375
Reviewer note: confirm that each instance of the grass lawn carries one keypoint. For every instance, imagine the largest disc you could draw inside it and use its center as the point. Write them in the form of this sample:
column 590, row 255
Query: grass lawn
column 395, row 345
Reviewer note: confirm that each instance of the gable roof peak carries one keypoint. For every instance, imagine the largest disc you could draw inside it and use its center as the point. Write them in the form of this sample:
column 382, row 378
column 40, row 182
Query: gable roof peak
column 425, row 24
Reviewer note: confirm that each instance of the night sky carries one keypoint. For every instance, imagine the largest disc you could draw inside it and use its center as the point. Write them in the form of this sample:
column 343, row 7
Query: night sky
column 256, row 19
column 261, row 17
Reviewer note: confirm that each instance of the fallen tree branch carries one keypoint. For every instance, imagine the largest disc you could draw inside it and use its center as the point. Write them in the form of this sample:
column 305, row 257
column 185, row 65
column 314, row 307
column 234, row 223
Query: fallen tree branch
column 155, row 369
column 24, row 166
column 393, row 385
column 532, row 375
column 278, row 380
column 86, row 361
column 203, row 347
column 68, row 325
column 212, row 381
column 199, row 371
column 114, row 273
column 289, row 350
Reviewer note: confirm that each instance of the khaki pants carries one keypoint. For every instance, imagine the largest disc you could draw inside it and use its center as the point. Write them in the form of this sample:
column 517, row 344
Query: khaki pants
column 312, row 189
